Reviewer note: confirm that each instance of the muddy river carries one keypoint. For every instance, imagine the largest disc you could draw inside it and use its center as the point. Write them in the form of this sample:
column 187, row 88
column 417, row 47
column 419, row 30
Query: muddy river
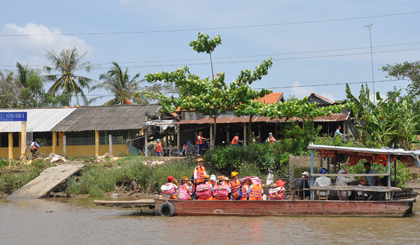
column 79, row 221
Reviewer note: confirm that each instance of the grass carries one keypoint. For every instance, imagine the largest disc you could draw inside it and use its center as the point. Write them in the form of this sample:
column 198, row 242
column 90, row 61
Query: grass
column 14, row 175
column 97, row 179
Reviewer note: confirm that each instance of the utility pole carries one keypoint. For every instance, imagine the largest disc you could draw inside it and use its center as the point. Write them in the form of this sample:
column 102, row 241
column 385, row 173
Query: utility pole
column 371, row 60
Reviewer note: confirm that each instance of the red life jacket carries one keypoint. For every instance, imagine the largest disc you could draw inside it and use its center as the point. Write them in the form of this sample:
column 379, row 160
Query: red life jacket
column 235, row 140
column 199, row 140
column 158, row 146
column 256, row 192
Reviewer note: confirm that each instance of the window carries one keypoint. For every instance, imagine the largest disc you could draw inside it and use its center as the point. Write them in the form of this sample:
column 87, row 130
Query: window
column 80, row 138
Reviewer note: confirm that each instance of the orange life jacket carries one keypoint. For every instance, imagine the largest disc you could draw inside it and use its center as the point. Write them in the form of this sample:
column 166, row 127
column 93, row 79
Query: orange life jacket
column 234, row 185
column 207, row 197
column 244, row 193
column 199, row 140
column 158, row 146
column 218, row 196
column 256, row 192
column 235, row 140
column 200, row 174
column 271, row 139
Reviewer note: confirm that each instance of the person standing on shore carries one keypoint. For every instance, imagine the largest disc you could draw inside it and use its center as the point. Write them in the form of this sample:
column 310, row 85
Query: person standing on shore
column 200, row 142
column 270, row 139
column 159, row 147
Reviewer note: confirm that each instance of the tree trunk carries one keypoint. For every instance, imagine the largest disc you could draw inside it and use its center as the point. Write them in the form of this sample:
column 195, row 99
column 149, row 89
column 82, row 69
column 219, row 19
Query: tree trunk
column 213, row 144
column 249, row 138
column 212, row 73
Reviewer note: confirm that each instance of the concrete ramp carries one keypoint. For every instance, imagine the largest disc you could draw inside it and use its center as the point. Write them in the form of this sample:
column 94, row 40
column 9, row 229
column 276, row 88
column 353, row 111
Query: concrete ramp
column 46, row 181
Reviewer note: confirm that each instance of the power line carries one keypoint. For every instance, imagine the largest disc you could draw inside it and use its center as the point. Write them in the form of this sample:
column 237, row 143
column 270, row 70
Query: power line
column 248, row 61
column 332, row 84
column 210, row 28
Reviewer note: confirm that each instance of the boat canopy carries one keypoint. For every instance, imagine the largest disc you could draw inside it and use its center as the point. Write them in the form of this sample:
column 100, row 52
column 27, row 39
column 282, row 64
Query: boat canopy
column 375, row 155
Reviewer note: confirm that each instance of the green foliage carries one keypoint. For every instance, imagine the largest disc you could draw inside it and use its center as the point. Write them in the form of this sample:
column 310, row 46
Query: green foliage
column 250, row 158
column 67, row 63
column 205, row 44
column 406, row 70
column 297, row 139
column 96, row 179
column 392, row 122
column 118, row 82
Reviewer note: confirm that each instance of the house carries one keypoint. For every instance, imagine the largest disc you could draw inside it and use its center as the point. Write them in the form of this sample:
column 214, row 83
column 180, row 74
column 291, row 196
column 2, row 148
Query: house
column 228, row 124
column 85, row 130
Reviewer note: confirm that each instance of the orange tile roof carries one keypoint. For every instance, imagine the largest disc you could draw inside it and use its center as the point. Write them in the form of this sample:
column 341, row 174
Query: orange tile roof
column 272, row 98
column 323, row 98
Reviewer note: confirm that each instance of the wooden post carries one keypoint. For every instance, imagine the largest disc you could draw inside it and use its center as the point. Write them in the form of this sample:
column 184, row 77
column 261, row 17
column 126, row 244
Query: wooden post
column 244, row 134
column 23, row 138
column 178, row 138
column 395, row 173
column 211, row 134
column 312, row 197
column 389, row 170
column 145, row 141
column 96, row 143
column 11, row 145
column 64, row 146
column 54, row 142
column 110, row 144
column 227, row 135
column 259, row 133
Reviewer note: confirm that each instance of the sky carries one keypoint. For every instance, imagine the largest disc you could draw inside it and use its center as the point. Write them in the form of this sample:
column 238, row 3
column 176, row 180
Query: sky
column 316, row 46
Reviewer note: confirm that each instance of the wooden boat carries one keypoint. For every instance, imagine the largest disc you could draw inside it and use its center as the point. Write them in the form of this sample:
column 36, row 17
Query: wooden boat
column 393, row 208
column 391, row 201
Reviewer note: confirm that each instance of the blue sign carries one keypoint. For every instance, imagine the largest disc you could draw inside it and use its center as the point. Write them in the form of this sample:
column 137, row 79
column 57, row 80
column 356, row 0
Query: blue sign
column 13, row 116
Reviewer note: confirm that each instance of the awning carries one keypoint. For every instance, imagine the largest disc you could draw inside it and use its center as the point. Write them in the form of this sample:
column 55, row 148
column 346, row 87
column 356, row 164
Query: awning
column 163, row 124
column 339, row 117
column 39, row 120
column 376, row 155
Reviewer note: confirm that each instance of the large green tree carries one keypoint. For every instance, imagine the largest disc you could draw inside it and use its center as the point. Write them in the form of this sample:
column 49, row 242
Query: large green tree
column 410, row 70
column 67, row 63
column 118, row 82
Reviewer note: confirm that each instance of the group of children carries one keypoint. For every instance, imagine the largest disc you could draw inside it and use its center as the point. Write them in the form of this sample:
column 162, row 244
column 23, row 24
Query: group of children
column 205, row 187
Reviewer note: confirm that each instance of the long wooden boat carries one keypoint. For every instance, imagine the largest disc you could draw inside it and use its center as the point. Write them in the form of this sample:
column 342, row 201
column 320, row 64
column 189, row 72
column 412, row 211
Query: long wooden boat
column 391, row 208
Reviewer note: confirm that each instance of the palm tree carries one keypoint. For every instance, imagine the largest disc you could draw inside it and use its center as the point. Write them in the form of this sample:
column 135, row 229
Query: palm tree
column 119, row 83
column 67, row 63
column 9, row 90
column 23, row 74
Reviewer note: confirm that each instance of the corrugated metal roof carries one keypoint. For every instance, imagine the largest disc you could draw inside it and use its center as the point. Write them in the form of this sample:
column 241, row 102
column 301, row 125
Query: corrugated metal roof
column 121, row 117
column 39, row 120
column 332, row 118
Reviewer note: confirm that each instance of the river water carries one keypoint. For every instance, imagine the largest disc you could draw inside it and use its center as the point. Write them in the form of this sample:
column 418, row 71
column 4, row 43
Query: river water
column 79, row 221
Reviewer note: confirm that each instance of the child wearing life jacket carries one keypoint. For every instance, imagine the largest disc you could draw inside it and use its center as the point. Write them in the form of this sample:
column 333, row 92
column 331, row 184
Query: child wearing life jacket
column 169, row 189
column 277, row 193
column 246, row 188
column 204, row 190
column 234, row 184
column 256, row 189
column 221, row 189
column 185, row 189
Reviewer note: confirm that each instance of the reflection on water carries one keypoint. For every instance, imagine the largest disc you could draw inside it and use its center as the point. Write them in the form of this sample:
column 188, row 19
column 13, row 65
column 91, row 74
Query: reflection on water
column 79, row 221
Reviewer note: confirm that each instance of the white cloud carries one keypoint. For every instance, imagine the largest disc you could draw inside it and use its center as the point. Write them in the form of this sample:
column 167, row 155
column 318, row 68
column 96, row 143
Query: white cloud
column 31, row 48
column 328, row 96
column 300, row 91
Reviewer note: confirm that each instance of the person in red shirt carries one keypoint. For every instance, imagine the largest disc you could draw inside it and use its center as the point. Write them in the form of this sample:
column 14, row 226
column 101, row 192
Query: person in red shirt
column 235, row 140
column 159, row 147
column 200, row 142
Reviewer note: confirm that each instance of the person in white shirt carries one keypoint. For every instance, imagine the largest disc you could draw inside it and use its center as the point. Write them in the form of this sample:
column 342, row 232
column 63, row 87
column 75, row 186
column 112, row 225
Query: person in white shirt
column 322, row 181
column 343, row 181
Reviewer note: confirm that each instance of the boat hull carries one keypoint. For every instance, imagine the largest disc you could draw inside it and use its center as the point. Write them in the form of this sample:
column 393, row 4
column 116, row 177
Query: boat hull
column 290, row 208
